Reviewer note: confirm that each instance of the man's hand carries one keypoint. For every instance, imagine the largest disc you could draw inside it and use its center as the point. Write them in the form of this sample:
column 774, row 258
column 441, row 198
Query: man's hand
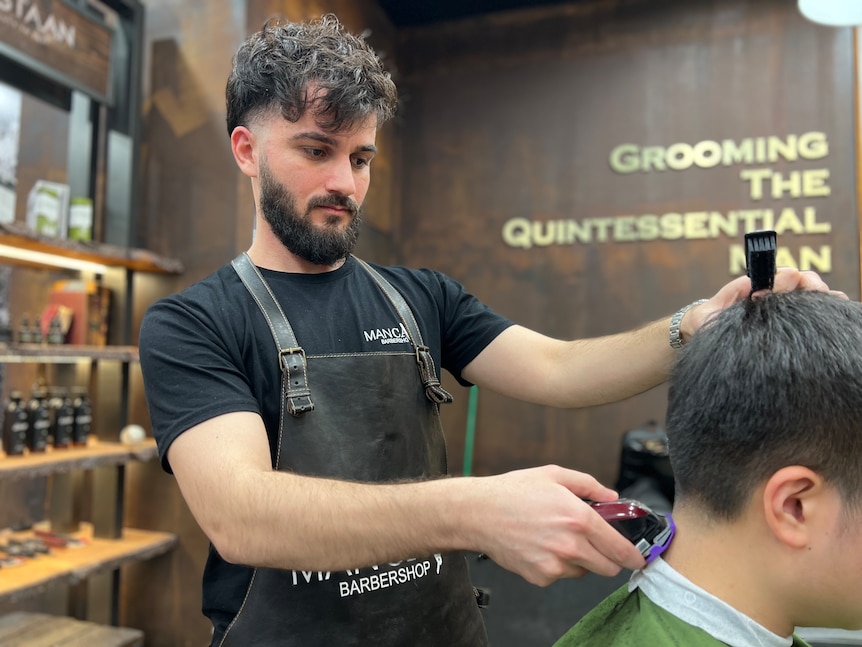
column 536, row 524
column 787, row 279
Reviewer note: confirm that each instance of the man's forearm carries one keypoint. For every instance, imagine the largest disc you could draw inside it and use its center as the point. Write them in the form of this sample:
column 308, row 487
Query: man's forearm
column 529, row 366
column 532, row 522
column 615, row 367
column 306, row 523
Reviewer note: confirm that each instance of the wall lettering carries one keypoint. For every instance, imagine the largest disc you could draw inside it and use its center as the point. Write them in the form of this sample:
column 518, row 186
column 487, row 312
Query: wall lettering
column 762, row 181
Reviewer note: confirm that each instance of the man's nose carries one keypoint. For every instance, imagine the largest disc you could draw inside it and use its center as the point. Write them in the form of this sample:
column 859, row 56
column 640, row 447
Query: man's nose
column 341, row 179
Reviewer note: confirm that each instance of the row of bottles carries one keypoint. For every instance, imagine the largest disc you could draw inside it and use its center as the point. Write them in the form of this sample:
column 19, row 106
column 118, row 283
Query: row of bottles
column 31, row 333
column 58, row 417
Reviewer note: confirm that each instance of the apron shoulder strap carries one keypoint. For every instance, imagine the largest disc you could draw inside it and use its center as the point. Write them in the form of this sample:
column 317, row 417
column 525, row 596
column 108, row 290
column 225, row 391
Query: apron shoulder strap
column 291, row 358
column 427, row 370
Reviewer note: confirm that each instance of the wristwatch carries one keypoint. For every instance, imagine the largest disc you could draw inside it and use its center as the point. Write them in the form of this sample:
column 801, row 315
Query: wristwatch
column 673, row 332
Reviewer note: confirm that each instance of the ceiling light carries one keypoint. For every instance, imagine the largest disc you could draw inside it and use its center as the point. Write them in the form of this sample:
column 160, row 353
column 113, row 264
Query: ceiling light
column 833, row 13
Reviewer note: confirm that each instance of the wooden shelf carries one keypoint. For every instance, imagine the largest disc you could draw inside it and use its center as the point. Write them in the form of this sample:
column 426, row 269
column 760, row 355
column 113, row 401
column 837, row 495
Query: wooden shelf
column 16, row 235
column 73, row 565
column 46, row 630
column 95, row 454
column 64, row 353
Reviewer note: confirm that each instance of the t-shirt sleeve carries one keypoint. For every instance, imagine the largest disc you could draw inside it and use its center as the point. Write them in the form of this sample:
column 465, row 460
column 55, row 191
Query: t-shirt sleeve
column 189, row 369
column 468, row 326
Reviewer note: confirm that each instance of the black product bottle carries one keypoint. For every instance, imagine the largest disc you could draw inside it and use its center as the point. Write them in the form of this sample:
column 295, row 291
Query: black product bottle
column 40, row 421
column 15, row 425
column 83, row 415
column 36, row 330
column 63, row 419
column 25, row 332
column 55, row 331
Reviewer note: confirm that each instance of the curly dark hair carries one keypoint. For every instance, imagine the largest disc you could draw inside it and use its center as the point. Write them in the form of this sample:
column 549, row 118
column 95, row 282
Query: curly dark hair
column 277, row 66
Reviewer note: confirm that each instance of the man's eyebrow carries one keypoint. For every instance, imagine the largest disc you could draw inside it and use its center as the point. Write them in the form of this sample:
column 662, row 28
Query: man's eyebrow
column 323, row 138
column 316, row 136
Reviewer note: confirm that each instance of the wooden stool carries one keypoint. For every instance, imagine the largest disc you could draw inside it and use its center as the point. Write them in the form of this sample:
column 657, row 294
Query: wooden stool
column 22, row 629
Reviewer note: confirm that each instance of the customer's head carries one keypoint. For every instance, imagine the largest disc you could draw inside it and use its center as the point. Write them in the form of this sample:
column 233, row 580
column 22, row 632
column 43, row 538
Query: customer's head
column 765, row 435
column 769, row 383
column 290, row 68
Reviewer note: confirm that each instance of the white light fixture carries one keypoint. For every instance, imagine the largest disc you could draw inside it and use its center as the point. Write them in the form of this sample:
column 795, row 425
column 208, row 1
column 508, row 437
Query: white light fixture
column 832, row 13
column 51, row 260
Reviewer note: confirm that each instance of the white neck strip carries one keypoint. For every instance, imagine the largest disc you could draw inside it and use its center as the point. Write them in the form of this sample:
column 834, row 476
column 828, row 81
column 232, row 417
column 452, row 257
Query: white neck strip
column 677, row 595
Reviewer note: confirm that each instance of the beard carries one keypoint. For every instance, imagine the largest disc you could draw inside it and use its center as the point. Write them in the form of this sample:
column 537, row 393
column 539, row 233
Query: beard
column 321, row 245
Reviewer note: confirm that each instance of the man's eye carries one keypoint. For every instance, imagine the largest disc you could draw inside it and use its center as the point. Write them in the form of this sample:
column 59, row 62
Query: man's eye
column 315, row 152
column 361, row 162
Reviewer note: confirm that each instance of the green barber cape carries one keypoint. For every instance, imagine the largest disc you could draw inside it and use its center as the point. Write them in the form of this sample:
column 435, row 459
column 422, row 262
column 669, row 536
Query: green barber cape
column 632, row 620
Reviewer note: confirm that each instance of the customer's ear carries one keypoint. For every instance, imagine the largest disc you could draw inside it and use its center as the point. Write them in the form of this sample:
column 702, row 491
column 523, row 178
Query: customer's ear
column 795, row 500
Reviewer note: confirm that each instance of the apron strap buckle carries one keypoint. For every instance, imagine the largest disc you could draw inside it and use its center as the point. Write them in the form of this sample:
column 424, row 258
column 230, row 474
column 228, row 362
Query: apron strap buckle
column 296, row 391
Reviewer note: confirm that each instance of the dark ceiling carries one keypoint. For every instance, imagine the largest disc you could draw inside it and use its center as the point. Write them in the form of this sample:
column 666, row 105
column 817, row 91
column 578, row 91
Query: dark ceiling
column 412, row 13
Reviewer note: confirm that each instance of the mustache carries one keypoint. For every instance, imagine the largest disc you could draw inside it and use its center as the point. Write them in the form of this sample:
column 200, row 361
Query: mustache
column 339, row 201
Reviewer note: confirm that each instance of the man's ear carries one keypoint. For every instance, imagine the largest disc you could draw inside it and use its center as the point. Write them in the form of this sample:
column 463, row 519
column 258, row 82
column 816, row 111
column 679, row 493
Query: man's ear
column 795, row 500
column 244, row 144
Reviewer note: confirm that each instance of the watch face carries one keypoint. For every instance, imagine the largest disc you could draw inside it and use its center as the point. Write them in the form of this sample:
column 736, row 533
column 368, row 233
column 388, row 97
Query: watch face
column 649, row 531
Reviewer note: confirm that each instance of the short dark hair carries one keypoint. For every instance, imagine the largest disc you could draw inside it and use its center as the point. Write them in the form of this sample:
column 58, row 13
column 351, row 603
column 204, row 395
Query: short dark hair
column 275, row 67
column 769, row 382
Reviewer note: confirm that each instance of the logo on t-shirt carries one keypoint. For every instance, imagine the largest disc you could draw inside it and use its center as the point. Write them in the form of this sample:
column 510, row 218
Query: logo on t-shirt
column 395, row 335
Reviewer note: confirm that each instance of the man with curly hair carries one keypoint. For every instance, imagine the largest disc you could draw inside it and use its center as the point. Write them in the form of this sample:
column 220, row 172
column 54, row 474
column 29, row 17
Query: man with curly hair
column 295, row 392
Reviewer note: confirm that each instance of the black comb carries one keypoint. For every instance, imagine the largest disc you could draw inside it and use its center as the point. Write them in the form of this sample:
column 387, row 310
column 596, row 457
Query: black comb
column 760, row 249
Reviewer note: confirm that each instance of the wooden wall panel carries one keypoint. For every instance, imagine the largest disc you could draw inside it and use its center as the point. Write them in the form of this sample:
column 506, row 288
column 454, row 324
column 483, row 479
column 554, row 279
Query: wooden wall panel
column 190, row 208
column 515, row 117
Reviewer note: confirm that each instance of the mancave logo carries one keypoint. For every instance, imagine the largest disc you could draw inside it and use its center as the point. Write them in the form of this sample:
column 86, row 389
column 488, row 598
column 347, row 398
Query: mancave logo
column 395, row 335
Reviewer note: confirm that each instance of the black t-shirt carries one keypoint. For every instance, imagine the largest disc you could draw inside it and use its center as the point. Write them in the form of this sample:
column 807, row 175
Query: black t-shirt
column 207, row 351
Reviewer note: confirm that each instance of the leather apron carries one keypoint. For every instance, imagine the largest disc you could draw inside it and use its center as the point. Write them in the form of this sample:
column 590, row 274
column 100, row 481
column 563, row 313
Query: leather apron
column 370, row 417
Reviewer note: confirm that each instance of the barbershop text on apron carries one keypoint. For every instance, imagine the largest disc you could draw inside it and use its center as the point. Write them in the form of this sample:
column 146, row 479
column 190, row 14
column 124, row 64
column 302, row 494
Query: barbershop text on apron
column 371, row 418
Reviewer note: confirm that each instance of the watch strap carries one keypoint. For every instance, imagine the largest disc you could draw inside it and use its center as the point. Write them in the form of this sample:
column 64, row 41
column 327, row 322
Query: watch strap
column 674, row 335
